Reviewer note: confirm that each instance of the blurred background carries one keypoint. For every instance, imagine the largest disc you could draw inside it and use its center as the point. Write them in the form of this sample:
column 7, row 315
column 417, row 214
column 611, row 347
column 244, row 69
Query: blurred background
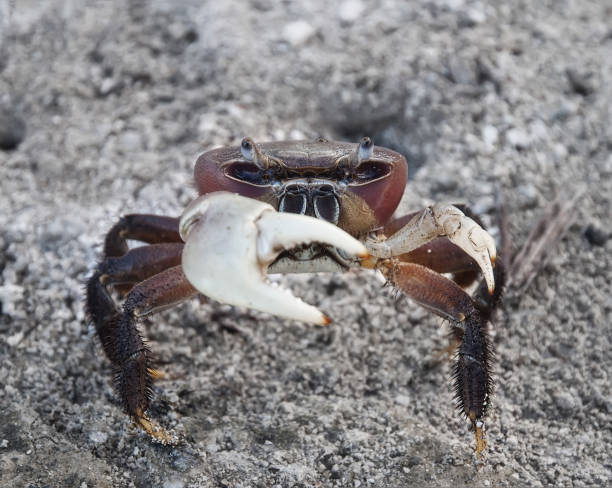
column 104, row 106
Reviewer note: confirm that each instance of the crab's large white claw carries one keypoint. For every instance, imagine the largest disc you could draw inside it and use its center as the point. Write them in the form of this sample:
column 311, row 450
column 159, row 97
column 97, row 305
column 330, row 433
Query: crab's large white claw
column 231, row 240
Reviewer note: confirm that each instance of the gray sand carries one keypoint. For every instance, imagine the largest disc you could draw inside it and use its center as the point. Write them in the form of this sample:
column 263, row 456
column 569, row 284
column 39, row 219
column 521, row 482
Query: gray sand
column 112, row 104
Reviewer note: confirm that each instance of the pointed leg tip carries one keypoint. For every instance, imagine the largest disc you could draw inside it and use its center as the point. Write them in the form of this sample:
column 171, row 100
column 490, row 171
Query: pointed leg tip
column 156, row 432
column 156, row 374
column 481, row 441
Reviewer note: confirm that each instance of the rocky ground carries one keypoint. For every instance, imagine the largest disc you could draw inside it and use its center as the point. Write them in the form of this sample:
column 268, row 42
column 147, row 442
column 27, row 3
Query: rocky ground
column 104, row 106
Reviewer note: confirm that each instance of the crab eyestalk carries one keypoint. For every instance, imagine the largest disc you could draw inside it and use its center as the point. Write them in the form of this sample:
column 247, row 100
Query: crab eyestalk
column 231, row 240
column 363, row 152
column 251, row 152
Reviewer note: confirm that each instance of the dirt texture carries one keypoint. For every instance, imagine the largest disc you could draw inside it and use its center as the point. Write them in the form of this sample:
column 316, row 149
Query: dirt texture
column 104, row 106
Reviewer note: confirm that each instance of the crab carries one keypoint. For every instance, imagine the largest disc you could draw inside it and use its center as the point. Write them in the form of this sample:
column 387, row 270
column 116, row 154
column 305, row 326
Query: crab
column 295, row 207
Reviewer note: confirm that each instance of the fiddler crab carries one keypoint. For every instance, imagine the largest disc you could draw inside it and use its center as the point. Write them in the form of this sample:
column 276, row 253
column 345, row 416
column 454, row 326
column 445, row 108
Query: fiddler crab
column 295, row 207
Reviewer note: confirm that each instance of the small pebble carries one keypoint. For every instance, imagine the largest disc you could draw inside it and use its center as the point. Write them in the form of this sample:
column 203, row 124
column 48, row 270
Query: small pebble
column 108, row 86
column 98, row 437
column 527, row 195
column 298, row 32
column 565, row 402
column 538, row 130
column 12, row 129
column 403, row 400
column 445, row 182
column 180, row 31
column 129, row 141
column 579, row 82
column 351, row 10
column 517, row 138
column 471, row 18
column 454, row 5
column 490, row 135
column 414, row 461
column 174, row 484
column 595, row 235
column 463, row 71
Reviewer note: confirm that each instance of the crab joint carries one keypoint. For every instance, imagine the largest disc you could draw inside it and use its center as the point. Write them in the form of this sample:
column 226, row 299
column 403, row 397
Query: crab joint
column 231, row 240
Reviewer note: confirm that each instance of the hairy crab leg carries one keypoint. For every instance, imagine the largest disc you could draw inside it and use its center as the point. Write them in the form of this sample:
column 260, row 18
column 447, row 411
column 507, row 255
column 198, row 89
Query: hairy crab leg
column 134, row 266
column 164, row 284
column 436, row 221
column 132, row 361
column 231, row 240
column 472, row 371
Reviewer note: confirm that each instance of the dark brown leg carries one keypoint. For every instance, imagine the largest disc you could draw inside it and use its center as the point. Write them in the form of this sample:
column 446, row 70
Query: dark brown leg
column 152, row 229
column 164, row 285
column 132, row 267
column 125, row 347
column 472, row 372
column 442, row 256
column 140, row 263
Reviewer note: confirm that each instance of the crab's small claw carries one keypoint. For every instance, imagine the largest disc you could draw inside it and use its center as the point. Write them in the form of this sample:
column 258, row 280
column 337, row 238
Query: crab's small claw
column 469, row 236
column 230, row 241
column 441, row 220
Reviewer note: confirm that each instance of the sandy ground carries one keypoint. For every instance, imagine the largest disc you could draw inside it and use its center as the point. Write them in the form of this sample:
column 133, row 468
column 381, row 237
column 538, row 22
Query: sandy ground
column 110, row 104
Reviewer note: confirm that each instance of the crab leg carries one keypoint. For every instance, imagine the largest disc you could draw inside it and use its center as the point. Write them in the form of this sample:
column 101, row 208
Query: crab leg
column 231, row 240
column 132, row 360
column 437, row 221
column 472, row 371
column 153, row 229
column 140, row 263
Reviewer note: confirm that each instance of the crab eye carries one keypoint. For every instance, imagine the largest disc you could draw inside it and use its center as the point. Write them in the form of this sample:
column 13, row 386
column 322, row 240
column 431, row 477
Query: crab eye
column 247, row 149
column 247, row 172
column 371, row 170
column 366, row 148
